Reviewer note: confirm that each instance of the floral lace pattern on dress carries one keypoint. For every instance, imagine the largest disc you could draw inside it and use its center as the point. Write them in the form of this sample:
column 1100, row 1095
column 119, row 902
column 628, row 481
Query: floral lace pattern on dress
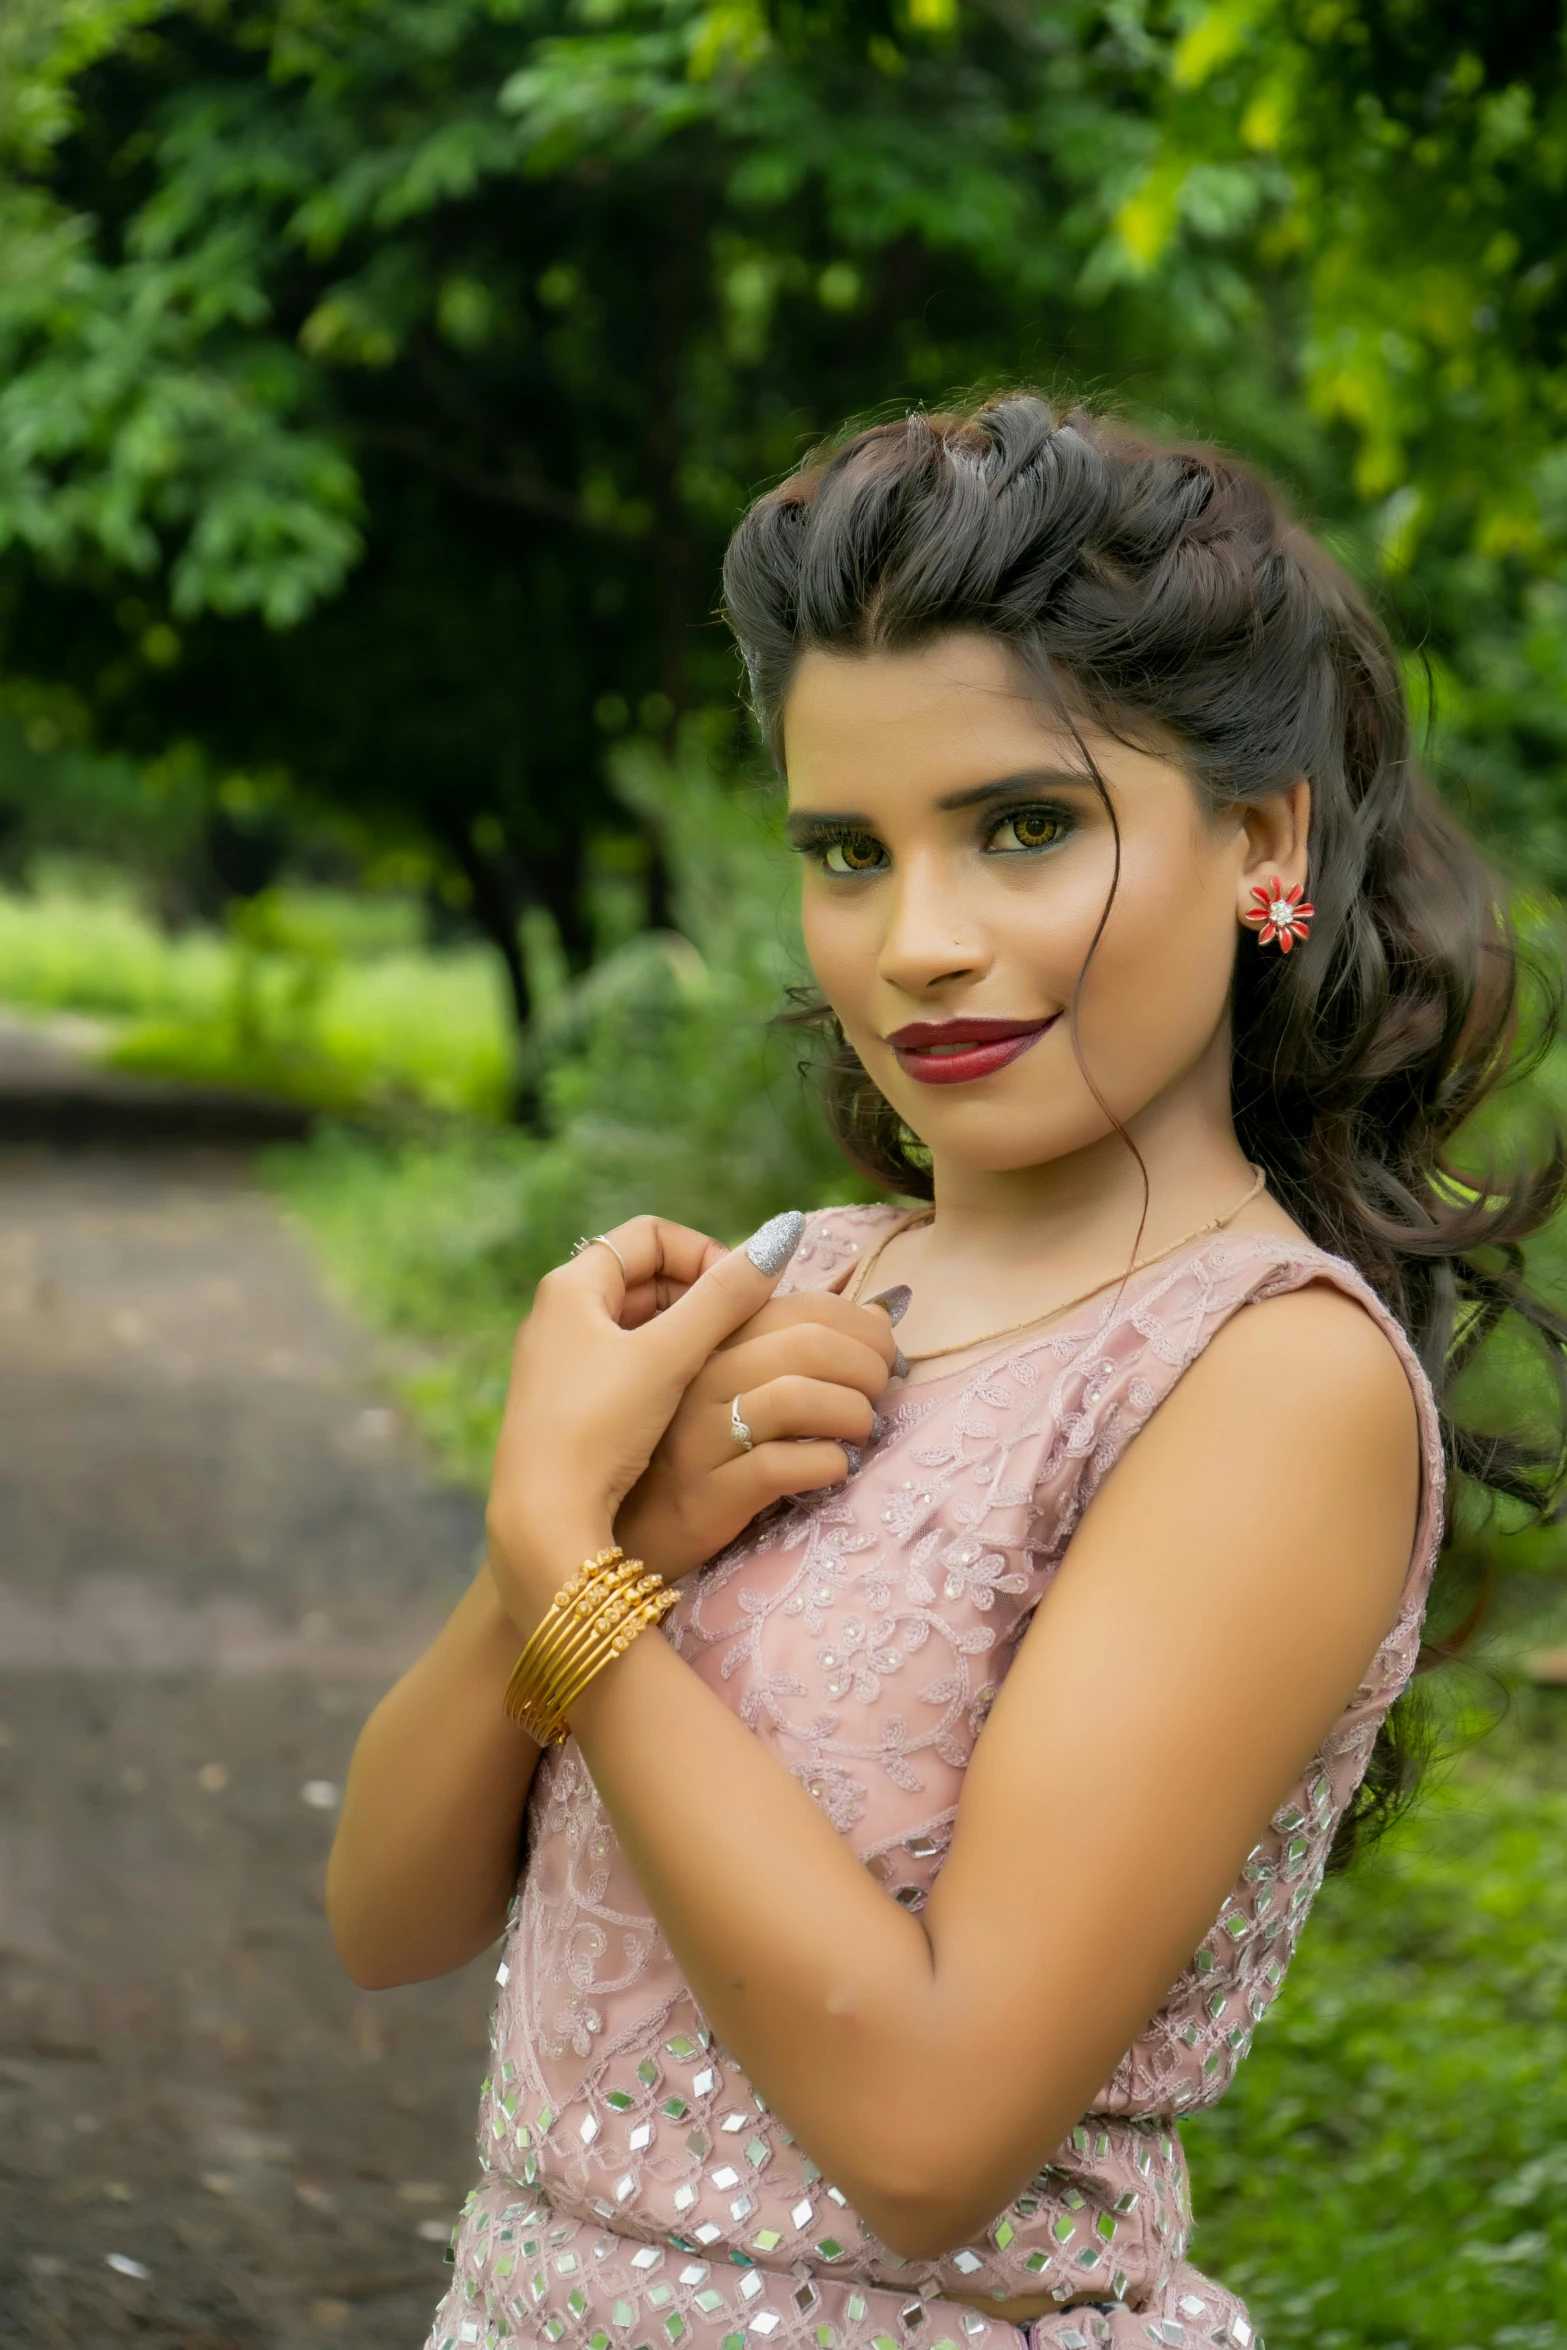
column 638, row 2194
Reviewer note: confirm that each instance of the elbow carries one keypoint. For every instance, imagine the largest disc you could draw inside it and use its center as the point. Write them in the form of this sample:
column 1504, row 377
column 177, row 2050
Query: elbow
column 382, row 1949
column 922, row 2210
column 364, row 1966
column 364, row 1972
column 371, row 1967
column 925, row 2229
column 365, row 1958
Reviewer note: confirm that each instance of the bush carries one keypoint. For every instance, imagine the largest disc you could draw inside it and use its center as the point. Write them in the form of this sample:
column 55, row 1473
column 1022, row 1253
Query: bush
column 1391, row 2164
column 329, row 1001
column 76, row 944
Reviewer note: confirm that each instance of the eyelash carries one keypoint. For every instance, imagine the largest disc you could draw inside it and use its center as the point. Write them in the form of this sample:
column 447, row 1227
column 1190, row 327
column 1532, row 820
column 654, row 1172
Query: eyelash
column 820, row 849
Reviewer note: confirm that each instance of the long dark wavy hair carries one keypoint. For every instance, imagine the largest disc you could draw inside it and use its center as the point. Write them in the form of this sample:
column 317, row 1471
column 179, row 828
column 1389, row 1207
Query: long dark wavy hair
column 1165, row 590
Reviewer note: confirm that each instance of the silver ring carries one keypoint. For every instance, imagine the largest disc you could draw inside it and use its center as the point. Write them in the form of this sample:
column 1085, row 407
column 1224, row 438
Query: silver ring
column 738, row 1429
column 602, row 1240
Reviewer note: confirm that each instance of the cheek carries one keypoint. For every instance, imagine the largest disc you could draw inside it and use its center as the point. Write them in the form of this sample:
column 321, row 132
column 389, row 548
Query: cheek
column 1165, row 963
column 838, row 952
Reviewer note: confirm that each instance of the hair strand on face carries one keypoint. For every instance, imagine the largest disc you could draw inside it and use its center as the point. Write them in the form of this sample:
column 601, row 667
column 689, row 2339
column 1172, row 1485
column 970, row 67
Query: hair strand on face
column 1150, row 586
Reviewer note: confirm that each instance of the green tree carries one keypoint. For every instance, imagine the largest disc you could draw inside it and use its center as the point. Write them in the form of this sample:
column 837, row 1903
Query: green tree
column 379, row 378
column 379, row 382
column 1402, row 172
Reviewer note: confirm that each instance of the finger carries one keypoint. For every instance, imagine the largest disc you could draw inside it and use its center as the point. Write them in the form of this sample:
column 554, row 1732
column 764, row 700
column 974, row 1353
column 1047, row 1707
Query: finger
column 645, row 1264
column 806, row 1407
column 796, row 1406
column 724, row 1296
column 773, row 1470
column 807, row 1351
column 821, row 1309
column 639, row 1305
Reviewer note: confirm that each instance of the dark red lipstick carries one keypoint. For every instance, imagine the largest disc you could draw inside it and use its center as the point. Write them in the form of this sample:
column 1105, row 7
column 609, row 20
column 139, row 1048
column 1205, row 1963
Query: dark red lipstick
column 952, row 1052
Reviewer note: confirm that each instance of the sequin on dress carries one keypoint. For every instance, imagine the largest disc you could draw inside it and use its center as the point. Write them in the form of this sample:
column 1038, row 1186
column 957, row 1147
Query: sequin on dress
column 637, row 2193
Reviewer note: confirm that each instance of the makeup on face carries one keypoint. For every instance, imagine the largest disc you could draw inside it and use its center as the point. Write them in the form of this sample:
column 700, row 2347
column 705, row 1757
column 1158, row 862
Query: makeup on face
column 955, row 1052
column 964, row 867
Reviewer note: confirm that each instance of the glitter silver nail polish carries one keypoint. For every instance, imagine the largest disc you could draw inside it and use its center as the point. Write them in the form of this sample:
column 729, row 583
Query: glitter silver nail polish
column 771, row 1247
column 894, row 1303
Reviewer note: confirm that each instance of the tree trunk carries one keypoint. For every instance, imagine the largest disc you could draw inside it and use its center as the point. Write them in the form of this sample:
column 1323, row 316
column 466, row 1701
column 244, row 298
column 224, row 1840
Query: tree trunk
column 682, row 277
column 675, row 293
column 497, row 903
column 558, row 882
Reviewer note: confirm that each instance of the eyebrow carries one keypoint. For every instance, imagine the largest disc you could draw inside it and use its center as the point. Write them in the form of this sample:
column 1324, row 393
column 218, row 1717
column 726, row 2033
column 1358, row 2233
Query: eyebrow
column 807, row 823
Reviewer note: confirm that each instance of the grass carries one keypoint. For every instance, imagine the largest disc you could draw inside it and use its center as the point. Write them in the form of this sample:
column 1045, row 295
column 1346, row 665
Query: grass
column 406, row 1028
column 64, row 948
column 328, row 1000
column 1390, row 2166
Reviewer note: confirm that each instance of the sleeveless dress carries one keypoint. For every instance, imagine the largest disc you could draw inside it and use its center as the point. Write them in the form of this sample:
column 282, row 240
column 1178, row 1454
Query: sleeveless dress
column 637, row 2192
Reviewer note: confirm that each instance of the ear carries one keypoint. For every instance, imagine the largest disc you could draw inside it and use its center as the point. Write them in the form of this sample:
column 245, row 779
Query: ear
column 1275, row 833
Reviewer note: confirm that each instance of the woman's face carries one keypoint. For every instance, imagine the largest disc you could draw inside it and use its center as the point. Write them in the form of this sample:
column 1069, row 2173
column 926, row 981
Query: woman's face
column 958, row 860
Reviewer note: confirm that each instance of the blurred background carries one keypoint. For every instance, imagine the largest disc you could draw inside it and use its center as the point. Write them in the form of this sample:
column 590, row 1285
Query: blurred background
column 379, row 381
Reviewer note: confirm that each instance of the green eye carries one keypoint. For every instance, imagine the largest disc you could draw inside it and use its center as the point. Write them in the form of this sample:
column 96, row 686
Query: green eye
column 1029, row 828
column 854, row 852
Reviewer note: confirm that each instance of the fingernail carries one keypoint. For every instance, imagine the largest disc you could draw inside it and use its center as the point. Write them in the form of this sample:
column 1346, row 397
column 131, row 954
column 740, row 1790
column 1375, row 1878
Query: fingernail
column 900, row 1363
column 895, row 1303
column 878, row 1427
column 771, row 1247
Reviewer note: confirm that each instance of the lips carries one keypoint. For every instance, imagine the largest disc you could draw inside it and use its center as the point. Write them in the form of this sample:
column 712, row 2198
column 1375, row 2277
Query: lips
column 954, row 1052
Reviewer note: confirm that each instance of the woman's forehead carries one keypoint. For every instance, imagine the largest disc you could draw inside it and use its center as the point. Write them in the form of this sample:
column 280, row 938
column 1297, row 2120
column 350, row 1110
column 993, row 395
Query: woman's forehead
column 919, row 724
column 917, row 711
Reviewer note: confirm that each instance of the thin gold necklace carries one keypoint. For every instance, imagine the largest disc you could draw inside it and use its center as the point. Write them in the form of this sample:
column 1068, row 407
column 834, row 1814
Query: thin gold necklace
column 964, row 1345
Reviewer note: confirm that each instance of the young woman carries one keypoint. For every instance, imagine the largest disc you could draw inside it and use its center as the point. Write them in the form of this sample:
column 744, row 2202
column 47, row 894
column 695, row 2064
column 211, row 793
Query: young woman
column 878, row 1922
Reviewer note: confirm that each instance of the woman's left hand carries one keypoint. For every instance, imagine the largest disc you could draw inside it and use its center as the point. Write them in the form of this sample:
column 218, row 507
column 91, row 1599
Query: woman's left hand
column 599, row 1367
column 803, row 1377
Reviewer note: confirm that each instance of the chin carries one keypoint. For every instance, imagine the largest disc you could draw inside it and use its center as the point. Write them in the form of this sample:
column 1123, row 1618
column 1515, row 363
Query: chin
column 994, row 1147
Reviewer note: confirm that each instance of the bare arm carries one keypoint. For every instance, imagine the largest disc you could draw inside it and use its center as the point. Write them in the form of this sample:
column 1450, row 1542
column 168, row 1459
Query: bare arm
column 1217, row 1607
column 425, row 1858
column 426, row 1854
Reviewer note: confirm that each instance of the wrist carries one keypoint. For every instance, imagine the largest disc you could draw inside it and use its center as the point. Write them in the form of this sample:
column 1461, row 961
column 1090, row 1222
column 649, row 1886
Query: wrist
column 605, row 1605
column 528, row 1565
column 647, row 1655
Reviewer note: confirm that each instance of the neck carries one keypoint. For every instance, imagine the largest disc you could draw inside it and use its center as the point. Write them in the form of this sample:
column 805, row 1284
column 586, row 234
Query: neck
column 1090, row 1201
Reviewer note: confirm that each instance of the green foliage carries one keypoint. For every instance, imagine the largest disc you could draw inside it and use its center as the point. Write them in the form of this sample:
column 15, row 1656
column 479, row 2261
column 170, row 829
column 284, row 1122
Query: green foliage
column 66, row 947
column 335, row 1006
column 446, row 338
column 1389, row 174
column 378, row 382
column 143, row 819
column 1403, row 166
column 1389, row 2166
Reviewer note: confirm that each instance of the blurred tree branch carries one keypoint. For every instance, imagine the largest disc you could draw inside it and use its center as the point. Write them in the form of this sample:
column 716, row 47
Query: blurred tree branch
column 379, row 378
column 523, row 492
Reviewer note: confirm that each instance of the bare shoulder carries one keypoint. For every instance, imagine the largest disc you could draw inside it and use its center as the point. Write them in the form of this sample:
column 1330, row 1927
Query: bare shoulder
column 1286, row 1459
column 1313, row 1363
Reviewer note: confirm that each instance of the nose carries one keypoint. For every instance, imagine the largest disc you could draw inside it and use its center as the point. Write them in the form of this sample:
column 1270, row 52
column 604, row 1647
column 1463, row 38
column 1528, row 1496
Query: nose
column 931, row 940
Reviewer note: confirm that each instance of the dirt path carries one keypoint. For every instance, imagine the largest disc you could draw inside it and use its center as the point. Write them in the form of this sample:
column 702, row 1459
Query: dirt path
column 216, row 1547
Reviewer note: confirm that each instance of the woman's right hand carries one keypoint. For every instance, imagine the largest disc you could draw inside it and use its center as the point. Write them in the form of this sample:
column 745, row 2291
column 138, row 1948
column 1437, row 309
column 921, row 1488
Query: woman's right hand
column 807, row 1371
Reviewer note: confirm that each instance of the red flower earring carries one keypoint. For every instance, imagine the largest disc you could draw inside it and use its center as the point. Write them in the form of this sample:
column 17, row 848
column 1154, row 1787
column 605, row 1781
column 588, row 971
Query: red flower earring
column 1279, row 913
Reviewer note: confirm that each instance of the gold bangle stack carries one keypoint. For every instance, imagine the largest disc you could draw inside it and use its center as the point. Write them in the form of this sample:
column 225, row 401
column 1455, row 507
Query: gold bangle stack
column 595, row 1618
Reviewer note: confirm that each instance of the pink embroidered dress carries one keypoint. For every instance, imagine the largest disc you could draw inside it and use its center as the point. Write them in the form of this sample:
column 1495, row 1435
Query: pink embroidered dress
column 637, row 2192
